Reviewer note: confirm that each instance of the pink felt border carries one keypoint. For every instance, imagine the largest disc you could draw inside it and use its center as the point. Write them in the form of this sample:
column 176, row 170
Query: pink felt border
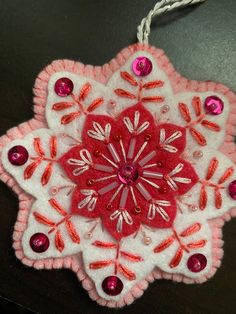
column 102, row 74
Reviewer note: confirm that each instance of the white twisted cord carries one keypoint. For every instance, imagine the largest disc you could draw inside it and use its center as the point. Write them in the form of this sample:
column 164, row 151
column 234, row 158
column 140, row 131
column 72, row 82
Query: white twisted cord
column 161, row 7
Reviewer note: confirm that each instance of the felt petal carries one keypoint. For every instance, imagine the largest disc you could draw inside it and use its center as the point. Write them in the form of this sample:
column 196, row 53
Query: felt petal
column 153, row 90
column 41, row 172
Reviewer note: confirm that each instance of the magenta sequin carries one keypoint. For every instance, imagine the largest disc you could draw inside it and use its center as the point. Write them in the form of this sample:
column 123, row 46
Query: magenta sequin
column 128, row 173
column 63, row 87
column 142, row 66
column 112, row 285
column 39, row 242
column 18, row 155
column 197, row 262
column 214, row 105
column 232, row 189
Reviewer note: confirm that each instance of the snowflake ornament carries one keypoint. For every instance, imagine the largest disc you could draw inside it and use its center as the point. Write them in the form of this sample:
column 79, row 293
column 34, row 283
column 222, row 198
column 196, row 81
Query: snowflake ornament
column 126, row 174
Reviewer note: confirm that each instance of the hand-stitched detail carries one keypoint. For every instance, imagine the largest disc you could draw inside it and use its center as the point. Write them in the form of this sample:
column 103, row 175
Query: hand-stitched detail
column 37, row 160
column 78, row 101
column 206, row 183
column 54, row 226
column 140, row 86
column 183, row 247
column 125, row 178
column 185, row 113
column 119, row 254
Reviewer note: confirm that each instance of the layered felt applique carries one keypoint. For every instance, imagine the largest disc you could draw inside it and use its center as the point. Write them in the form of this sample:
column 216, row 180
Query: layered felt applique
column 125, row 175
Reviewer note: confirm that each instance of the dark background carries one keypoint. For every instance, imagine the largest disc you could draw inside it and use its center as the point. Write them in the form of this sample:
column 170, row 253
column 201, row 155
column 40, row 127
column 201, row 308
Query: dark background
column 200, row 41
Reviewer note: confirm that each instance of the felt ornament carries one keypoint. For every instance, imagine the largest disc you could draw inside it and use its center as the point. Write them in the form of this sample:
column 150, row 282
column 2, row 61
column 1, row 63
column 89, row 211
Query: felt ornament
column 125, row 174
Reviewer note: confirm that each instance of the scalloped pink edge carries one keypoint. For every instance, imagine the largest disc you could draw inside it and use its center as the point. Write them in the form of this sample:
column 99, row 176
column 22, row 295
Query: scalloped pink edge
column 102, row 74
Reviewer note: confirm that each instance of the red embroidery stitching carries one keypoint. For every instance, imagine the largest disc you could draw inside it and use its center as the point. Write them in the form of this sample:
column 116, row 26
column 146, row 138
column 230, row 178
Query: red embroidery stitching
column 59, row 242
column 212, row 168
column 129, row 78
column 197, row 105
column 30, row 169
column 99, row 170
column 118, row 267
column 176, row 259
column 140, row 86
column 73, row 234
column 78, row 101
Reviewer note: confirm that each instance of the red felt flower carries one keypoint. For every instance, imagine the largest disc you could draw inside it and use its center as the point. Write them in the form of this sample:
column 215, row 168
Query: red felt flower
column 129, row 171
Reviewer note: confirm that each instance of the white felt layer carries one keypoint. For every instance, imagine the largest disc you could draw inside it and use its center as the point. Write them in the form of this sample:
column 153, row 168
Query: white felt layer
column 214, row 139
column 33, row 185
column 54, row 117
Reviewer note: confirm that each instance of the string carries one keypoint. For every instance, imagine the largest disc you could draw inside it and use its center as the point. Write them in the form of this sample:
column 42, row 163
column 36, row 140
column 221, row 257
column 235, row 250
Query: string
column 161, row 7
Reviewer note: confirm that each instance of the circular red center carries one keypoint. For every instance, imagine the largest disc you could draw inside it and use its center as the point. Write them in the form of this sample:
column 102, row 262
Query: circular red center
column 128, row 173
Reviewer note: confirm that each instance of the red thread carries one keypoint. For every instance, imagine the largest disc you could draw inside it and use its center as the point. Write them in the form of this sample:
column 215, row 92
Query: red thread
column 70, row 117
column 200, row 139
column 59, row 242
column 183, row 109
column 129, row 274
column 38, row 147
column 153, row 84
column 197, row 245
column 123, row 93
column 129, row 78
column 84, row 91
column 196, row 103
column 53, row 146
column 30, row 169
column 153, row 99
column 72, row 231
column 203, row 198
column 211, row 125
column 43, row 220
column 62, row 106
column 95, row 104
column 228, row 173
column 131, row 257
column 57, row 207
column 218, row 199
column 104, row 245
column 191, row 230
column 47, row 174
column 212, row 168
column 177, row 258
column 164, row 245
column 100, row 264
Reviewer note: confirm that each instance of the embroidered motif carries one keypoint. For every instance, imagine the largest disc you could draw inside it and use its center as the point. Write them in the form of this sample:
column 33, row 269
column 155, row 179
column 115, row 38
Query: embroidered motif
column 136, row 179
column 122, row 192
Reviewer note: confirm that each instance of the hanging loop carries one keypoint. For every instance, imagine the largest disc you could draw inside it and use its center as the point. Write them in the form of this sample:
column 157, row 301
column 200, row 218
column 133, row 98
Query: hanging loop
column 161, row 7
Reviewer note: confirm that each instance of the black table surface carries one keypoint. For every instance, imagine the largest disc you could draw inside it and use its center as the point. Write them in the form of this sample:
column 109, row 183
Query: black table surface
column 200, row 42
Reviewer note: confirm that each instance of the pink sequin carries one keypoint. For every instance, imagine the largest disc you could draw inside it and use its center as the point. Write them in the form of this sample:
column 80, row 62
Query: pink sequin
column 63, row 87
column 232, row 189
column 128, row 173
column 112, row 285
column 18, row 155
column 214, row 105
column 142, row 66
column 39, row 242
column 197, row 262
